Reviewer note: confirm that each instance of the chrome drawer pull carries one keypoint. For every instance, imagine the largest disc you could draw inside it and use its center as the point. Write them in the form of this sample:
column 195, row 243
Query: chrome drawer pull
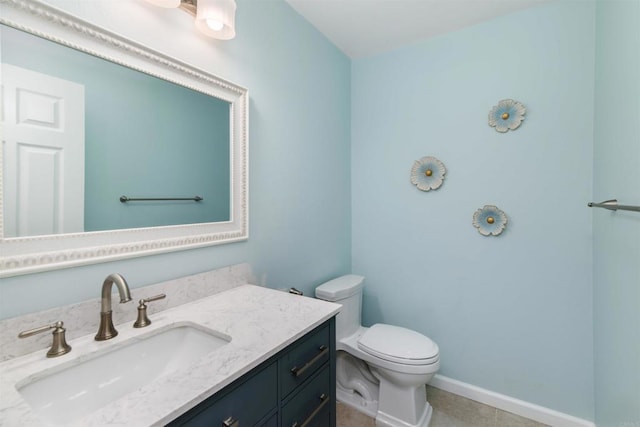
column 230, row 422
column 324, row 399
column 299, row 371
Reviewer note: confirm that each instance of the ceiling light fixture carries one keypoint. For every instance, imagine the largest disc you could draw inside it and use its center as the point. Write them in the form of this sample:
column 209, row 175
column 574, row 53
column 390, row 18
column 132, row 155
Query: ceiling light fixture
column 165, row 3
column 214, row 18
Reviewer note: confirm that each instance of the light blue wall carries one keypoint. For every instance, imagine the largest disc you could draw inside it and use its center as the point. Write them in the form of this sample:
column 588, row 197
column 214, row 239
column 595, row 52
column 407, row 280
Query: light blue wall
column 616, row 255
column 299, row 171
column 511, row 314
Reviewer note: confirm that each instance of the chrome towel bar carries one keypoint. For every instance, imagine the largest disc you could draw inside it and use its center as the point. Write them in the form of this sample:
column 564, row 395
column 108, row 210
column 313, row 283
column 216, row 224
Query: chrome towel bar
column 125, row 199
column 613, row 205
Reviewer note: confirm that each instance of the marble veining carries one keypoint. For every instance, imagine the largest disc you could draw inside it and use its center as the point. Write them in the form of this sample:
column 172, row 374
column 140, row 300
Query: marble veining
column 83, row 318
column 260, row 322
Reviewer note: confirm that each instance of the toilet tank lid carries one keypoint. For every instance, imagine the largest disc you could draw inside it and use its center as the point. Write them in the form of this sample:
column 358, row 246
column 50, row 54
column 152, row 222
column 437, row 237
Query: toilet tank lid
column 340, row 288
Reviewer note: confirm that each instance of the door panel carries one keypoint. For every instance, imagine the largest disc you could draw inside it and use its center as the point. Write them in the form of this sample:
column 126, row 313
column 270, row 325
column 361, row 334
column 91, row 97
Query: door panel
column 43, row 150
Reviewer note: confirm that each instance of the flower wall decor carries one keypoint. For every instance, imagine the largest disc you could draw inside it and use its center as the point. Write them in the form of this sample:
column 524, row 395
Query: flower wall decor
column 427, row 173
column 490, row 221
column 508, row 114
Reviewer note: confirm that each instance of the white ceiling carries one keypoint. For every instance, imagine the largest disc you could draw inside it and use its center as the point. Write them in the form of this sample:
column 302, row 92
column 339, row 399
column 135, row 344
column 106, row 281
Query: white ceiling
column 367, row 27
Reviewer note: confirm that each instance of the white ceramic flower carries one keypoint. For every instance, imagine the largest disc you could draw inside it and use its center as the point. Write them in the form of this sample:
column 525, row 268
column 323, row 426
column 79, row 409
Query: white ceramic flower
column 508, row 114
column 490, row 221
column 427, row 173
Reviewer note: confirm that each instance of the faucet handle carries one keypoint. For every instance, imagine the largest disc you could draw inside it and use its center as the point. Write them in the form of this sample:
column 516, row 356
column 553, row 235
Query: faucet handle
column 59, row 345
column 143, row 319
column 153, row 298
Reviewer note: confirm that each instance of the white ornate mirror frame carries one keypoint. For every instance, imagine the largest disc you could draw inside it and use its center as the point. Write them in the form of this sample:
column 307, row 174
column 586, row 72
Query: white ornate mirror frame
column 25, row 255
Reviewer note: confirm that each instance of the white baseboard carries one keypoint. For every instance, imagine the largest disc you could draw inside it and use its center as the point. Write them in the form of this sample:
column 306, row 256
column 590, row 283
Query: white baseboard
column 509, row 404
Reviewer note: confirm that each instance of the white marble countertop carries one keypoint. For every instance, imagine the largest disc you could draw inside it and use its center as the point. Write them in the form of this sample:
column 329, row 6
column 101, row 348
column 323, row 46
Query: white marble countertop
column 260, row 322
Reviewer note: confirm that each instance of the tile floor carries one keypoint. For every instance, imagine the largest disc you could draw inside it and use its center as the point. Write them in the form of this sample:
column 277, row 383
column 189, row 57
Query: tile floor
column 449, row 410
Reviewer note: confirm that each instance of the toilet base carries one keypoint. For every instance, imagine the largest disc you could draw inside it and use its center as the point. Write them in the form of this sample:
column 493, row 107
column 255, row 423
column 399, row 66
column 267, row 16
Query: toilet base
column 357, row 402
column 385, row 420
column 370, row 408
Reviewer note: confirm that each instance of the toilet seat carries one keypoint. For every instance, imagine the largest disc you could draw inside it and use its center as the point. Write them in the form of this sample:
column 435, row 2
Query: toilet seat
column 398, row 345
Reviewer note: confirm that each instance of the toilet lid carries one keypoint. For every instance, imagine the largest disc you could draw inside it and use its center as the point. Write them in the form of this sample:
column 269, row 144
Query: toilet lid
column 399, row 345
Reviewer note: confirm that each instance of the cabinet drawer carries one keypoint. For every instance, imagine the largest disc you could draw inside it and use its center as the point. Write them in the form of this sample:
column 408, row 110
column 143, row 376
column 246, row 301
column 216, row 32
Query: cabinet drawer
column 311, row 406
column 304, row 359
column 272, row 422
column 248, row 403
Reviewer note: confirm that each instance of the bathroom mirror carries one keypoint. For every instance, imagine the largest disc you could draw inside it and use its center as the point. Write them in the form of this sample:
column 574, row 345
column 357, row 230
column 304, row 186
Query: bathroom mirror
column 204, row 159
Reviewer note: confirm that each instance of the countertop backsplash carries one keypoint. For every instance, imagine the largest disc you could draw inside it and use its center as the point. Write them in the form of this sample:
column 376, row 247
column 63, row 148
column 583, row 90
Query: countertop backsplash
column 84, row 317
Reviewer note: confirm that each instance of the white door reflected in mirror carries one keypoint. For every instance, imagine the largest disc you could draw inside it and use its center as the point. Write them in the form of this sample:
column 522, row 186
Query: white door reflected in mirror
column 43, row 152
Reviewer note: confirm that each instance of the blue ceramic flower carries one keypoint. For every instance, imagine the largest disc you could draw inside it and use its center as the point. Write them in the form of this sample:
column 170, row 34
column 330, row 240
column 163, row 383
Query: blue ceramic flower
column 427, row 173
column 508, row 114
column 490, row 221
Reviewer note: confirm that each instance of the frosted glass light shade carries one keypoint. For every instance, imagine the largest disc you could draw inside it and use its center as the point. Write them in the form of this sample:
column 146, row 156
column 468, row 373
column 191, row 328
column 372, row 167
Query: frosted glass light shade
column 217, row 18
column 165, row 3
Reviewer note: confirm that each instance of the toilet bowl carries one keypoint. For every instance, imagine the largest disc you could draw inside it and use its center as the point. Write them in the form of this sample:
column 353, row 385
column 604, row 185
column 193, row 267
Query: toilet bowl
column 381, row 370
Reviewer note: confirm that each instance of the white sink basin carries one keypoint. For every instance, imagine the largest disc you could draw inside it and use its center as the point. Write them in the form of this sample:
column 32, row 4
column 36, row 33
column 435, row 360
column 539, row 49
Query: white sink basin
column 65, row 396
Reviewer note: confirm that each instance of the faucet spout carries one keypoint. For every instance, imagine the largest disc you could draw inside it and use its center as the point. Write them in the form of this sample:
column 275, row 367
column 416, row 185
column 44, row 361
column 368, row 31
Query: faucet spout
column 123, row 290
column 106, row 330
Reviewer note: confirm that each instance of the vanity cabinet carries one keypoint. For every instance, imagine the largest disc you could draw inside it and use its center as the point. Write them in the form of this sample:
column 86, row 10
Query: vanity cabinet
column 294, row 388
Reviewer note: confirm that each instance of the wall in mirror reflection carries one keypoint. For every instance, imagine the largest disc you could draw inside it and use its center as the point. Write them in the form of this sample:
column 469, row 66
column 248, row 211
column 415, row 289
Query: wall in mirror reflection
column 143, row 136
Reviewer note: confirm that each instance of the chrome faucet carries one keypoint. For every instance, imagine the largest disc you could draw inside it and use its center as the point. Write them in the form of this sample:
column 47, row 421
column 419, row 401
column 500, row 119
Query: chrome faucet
column 106, row 330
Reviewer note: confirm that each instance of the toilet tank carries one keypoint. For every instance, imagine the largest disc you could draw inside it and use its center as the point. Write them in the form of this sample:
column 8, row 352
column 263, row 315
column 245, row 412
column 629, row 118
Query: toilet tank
column 345, row 290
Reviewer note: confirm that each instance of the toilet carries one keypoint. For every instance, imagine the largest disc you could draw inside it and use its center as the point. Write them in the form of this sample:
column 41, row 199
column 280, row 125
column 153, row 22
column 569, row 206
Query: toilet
column 382, row 370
